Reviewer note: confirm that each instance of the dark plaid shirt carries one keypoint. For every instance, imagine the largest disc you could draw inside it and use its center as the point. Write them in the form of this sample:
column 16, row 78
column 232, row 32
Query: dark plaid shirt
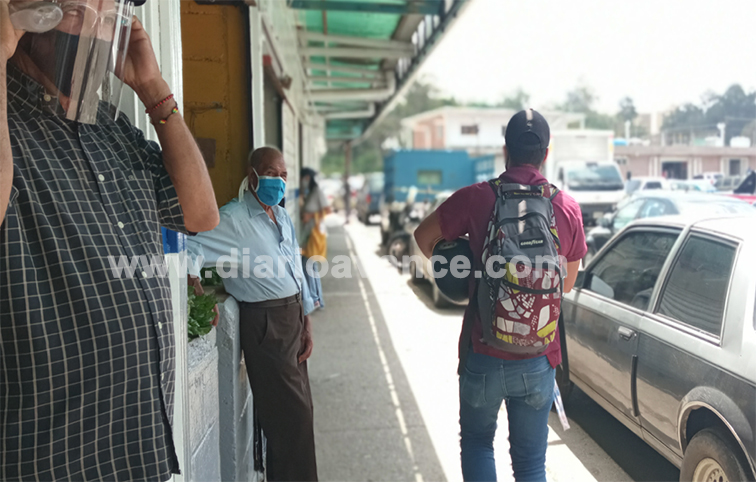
column 87, row 359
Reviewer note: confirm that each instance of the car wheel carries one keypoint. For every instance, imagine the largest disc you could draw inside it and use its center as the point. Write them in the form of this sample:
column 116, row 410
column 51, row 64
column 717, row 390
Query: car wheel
column 712, row 456
column 439, row 300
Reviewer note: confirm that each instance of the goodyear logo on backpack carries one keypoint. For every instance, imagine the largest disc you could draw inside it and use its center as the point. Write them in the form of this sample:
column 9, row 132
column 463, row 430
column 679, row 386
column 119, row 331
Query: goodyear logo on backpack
column 532, row 243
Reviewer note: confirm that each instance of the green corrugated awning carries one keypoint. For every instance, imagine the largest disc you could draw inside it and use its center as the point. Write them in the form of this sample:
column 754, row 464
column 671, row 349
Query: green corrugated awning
column 360, row 53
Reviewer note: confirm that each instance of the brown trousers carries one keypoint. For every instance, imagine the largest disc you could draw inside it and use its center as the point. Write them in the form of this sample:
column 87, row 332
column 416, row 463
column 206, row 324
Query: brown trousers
column 270, row 334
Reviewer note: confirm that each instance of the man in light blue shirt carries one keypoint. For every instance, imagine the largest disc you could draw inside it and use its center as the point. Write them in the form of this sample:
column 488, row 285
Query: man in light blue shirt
column 255, row 248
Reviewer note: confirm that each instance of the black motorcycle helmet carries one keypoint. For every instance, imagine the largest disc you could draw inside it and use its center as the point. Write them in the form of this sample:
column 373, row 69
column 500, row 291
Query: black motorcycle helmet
column 455, row 288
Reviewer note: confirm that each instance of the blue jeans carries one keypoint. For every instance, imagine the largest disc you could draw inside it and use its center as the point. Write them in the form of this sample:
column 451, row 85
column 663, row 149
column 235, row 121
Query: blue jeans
column 527, row 386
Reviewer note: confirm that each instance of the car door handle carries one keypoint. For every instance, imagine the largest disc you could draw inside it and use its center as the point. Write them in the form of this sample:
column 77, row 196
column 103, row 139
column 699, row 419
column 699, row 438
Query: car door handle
column 626, row 333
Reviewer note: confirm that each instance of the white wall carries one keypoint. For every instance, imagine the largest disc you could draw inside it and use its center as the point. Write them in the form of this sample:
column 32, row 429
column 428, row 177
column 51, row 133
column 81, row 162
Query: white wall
column 489, row 130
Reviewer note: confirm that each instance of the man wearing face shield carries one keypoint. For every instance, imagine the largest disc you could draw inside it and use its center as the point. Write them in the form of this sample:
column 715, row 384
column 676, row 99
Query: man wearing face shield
column 86, row 351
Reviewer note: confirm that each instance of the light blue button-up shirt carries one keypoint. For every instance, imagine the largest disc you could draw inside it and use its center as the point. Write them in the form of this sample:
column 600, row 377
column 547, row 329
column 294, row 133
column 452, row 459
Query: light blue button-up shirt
column 259, row 260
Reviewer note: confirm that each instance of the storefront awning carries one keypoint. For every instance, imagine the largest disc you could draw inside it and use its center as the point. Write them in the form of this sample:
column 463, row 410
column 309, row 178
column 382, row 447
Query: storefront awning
column 361, row 54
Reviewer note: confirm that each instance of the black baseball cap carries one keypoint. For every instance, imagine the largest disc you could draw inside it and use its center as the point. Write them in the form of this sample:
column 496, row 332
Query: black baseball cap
column 138, row 3
column 527, row 131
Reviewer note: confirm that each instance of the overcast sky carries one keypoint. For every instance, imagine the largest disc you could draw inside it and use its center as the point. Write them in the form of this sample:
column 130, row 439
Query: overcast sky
column 659, row 52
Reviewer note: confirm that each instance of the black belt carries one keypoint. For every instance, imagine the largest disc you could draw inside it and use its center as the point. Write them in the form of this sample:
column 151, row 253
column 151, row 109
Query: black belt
column 273, row 303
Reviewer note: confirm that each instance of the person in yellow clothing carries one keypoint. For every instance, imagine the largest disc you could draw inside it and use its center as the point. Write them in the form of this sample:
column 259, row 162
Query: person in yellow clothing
column 314, row 208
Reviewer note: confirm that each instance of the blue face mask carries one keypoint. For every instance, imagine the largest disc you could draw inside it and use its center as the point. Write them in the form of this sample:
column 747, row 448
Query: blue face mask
column 270, row 190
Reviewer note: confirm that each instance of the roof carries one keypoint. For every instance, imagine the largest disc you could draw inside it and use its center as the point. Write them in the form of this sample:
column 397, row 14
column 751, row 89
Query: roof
column 738, row 226
column 361, row 54
column 559, row 119
column 637, row 150
column 692, row 196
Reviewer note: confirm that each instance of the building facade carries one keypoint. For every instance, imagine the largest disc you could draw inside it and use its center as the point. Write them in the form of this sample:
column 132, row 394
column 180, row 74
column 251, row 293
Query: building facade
column 684, row 162
column 478, row 130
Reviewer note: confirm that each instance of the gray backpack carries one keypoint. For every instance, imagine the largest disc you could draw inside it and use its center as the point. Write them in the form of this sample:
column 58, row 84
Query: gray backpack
column 519, row 293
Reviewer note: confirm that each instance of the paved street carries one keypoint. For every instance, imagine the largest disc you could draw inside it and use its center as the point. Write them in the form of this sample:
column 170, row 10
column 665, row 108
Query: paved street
column 384, row 385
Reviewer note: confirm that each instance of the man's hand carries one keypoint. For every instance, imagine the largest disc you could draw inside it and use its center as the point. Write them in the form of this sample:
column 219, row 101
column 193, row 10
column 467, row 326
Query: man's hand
column 306, row 350
column 196, row 283
column 217, row 316
column 141, row 71
column 9, row 36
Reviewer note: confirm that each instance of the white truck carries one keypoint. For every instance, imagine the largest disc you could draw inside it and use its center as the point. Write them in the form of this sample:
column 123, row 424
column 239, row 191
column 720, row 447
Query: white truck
column 581, row 163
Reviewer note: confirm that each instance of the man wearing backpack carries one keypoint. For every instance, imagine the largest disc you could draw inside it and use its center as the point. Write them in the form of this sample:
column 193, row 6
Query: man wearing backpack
column 510, row 346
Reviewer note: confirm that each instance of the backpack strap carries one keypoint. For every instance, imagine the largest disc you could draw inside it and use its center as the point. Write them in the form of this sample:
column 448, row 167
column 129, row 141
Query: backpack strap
column 552, row 191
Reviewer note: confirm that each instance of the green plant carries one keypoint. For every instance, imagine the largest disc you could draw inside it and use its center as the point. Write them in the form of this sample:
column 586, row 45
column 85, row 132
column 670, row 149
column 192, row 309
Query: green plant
column 201, row 314
column 213, row 280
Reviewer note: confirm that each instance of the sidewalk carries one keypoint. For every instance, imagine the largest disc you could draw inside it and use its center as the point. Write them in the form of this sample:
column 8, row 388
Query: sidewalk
column 367, row 422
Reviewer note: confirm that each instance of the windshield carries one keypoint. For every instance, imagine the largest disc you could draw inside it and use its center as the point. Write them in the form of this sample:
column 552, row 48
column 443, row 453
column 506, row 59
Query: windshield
column 594, row 177
column 709, row 208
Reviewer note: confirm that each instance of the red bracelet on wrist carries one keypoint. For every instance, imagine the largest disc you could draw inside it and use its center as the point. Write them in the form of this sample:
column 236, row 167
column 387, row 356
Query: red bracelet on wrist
column 158, row 105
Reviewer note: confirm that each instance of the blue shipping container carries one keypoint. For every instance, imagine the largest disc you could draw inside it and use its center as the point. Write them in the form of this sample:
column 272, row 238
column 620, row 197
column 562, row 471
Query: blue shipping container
column 430, row 171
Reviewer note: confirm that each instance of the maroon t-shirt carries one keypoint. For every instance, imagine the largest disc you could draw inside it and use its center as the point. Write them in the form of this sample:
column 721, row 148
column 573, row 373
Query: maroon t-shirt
column 468, row 211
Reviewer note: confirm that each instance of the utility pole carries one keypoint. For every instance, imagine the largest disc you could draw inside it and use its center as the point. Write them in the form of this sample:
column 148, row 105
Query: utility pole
column 347, row 189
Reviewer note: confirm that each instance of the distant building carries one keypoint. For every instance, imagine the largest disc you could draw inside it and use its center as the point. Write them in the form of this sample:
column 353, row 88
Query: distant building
column 647, row 124
column 684, row 162
column 478, row 130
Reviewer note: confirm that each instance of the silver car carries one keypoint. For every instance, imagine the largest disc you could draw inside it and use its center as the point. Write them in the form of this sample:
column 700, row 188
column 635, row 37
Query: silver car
column 661, row 331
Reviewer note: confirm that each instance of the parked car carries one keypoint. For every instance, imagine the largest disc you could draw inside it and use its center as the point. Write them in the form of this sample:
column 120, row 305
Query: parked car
column 660, row 332
column 728, row 184
column 369, row 197
column 711, row 177
column 700, row 185
column 420, row 267
column 659, row 203
column 746, row 190
column 645, row 184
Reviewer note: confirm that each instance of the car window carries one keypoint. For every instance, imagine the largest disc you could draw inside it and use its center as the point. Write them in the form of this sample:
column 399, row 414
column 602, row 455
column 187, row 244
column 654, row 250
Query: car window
column 653, row 185
column 653, row 208
column 626, row 214
column 628, row 271
column 697, row 287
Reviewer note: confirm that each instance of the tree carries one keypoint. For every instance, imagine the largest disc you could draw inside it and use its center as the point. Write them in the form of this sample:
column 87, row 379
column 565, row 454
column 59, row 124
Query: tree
column 518, row 100
column 627, row 110
column 685, row 116
column 580, row 99
column 735, row 108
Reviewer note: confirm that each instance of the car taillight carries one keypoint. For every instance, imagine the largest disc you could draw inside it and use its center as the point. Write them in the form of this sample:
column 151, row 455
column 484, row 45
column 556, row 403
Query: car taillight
column 368, row 199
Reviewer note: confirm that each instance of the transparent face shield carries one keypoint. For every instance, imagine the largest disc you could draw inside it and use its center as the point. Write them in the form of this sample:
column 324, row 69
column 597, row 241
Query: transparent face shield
column 78, row 48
